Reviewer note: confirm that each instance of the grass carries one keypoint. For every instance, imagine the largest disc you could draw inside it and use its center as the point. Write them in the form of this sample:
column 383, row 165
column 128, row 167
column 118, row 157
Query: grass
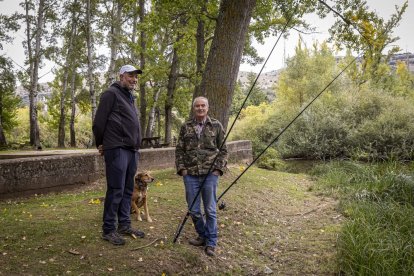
column 377, row 199
column 272, row 222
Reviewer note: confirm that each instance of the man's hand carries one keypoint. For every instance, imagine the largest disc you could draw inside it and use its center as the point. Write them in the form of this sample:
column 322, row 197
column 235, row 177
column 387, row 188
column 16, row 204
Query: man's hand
column 183, row 172
column 216, row 172
column 100, row 149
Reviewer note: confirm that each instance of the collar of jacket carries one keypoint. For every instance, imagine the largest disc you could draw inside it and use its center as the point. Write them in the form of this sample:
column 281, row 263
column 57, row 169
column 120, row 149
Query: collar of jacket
column 207, row 121
column 127, row 93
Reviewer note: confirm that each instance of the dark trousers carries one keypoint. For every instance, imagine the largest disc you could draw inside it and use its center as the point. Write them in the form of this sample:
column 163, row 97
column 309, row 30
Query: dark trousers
column 121, row 166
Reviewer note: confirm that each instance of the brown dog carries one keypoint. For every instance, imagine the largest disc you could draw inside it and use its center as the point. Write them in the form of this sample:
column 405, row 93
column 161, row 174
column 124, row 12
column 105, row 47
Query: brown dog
column 139, row 196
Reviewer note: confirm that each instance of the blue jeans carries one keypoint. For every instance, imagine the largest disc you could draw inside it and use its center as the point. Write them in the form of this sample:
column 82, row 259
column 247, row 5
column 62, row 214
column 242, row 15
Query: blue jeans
column 206, row 228
column 121, row 166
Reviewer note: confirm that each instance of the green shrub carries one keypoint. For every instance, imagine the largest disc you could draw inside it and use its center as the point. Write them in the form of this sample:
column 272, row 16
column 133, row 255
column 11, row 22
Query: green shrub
column 271, row 160
column 369, row 126
column 390, row 136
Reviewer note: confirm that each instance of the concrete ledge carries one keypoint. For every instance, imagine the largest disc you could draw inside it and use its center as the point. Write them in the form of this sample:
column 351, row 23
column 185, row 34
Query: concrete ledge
column 59, row 170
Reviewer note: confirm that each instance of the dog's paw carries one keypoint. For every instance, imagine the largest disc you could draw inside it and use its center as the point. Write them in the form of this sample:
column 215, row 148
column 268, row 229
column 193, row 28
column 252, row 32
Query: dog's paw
column 149, row 219
column 139, row 218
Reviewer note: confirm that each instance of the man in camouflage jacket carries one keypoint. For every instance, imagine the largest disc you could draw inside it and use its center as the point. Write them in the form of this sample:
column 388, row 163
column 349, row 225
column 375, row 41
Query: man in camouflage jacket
column 197, row 147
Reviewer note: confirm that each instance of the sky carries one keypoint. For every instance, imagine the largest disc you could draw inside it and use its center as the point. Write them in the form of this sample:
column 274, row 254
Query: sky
column 285, row 47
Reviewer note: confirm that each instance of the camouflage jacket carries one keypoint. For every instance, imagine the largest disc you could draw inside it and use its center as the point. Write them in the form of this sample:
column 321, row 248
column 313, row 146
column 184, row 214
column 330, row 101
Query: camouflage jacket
column 197, row 154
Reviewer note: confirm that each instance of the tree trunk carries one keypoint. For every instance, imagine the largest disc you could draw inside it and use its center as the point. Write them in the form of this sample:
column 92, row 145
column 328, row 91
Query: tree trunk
column 115, row 33
column 151, row 116
column 200, row 39
column 69, row 61
column 62, row 118
column 73, row 107
column 158, row 115
column 34, row 61
column 222, row 67
column 3, row 142
column 90, row 66
column 142, row 89
column 172, row 81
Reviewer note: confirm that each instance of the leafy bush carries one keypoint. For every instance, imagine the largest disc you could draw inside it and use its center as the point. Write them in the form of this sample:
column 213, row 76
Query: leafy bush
column 369, row 121
column 368, row 126
column 388, row 136
column 20, row 133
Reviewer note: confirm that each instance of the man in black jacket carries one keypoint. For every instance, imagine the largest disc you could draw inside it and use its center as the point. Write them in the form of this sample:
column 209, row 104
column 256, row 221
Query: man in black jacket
column 118, row 136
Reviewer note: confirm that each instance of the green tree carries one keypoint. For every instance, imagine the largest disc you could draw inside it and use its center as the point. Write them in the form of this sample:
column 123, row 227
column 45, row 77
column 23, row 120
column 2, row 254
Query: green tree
column 306, row 75
column 370, row 33
column 226, row 51
column 37, row 35
column 404, row 80
column 8, row 24
column 70, row 33
column 257, row 95
column 9, row 102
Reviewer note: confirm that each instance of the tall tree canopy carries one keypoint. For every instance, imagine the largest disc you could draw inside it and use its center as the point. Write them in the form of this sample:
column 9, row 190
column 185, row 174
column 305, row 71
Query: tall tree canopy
column 186, row 48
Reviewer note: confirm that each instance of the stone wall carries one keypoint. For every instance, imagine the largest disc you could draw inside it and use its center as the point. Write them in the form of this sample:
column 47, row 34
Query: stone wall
column 31, row 175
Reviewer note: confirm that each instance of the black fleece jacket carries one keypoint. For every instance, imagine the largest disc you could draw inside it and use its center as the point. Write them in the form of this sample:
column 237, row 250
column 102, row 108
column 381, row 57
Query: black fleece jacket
column 116, row 123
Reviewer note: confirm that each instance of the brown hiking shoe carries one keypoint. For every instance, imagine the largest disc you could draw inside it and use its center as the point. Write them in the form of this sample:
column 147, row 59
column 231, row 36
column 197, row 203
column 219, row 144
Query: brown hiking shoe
column 199, row 241
column 209, row 250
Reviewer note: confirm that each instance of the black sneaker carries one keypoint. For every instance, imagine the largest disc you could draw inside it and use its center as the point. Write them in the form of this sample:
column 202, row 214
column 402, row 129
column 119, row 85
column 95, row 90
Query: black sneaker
column 209, row 250
column 199, row 241
column 114, row 238
column 130, row 231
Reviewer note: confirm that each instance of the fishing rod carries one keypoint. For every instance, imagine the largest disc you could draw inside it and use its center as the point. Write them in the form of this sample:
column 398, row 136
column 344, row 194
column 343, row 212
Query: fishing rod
column 222, row 206
column 181, row 225
column 347, row 21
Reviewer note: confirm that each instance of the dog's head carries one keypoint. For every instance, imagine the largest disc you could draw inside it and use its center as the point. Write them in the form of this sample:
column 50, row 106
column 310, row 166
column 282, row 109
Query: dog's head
column 143, row 178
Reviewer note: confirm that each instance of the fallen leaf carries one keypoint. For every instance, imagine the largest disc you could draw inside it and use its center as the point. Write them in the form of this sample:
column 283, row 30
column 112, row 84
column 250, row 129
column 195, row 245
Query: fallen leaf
column 83, row 237
column 110, row 269
column 74, row 252
column 140, row 259
column 94, row 201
